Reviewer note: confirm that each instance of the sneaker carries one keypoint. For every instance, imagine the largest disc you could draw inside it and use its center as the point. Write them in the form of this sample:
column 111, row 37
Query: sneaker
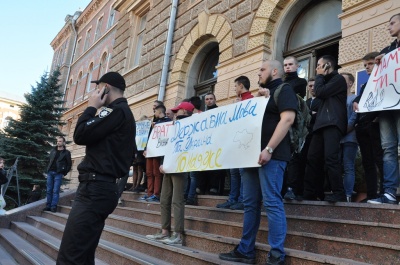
column 385, row 198
column 199, row 191
column 46, row 209
column 236, row 256
column 335, row 197
column 225, row 205
column 213, row 191
column 145, row 197
column 53, row 209
column 290, row 196
column 153, row 198
column 158, row 236
column 274, row 258
column 175, row 239
column 237, row 206
column 190, row 201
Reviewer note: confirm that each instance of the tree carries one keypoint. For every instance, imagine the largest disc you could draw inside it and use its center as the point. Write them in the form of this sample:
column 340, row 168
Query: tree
column 32, row 137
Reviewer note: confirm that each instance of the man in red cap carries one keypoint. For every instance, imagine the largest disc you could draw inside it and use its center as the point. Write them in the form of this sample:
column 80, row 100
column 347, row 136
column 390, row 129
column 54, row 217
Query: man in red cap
column 172, row 193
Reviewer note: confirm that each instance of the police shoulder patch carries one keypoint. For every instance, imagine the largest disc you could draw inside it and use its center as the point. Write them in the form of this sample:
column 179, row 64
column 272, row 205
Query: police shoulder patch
column 105, row 112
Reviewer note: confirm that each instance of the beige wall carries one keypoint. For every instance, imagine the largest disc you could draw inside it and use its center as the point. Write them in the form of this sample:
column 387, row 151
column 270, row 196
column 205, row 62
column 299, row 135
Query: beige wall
column 9, row 108
column 246, row 31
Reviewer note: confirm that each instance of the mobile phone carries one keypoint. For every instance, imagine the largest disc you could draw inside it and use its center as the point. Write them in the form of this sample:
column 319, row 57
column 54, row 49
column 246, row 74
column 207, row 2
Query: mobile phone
column 104, row 93
column 327, row 66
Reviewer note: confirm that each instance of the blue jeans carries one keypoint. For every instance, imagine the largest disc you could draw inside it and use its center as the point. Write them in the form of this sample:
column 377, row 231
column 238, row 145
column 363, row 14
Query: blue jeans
column 349, row 152
column 53, row 188
column 236, row 193
column 193, row 184
column 389, row 125
column 263, row 184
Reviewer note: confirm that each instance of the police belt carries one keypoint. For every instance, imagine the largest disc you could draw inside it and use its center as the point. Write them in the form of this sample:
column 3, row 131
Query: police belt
column 95, row 177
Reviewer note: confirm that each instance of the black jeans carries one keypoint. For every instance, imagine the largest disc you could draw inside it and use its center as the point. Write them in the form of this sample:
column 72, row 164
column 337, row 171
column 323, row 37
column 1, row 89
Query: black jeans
column 372, row 155
column 296, row 168
column 94, row 201
column 324, row 150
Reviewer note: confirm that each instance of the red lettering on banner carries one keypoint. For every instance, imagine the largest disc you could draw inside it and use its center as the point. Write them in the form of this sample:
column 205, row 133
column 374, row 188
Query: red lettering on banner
column 382, row 81
column 386, row 61
column 160, row 130
column 395, row 74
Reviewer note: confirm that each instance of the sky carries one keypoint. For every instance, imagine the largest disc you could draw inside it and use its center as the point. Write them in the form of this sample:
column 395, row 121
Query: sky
column 28, row 28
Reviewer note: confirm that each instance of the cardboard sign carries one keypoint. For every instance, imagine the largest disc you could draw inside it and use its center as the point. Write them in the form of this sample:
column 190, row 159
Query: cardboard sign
column 221, row 138
column 159, row 137
column 142, row 133
column 383, row 88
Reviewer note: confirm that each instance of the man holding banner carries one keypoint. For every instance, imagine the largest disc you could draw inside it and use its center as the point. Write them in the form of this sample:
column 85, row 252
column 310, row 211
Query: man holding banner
column 172, row 195
column 265, row 183
column 389, row 120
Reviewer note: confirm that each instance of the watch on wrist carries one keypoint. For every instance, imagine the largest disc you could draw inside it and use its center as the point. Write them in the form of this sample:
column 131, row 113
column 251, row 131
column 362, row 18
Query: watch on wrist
column 269, row 149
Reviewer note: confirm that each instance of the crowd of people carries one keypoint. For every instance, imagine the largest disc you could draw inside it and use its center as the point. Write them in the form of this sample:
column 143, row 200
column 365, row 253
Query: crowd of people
column 322, row 170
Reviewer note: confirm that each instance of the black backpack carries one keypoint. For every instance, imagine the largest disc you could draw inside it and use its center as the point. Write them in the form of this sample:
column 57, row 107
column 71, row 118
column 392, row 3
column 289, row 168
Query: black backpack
column 299, row 129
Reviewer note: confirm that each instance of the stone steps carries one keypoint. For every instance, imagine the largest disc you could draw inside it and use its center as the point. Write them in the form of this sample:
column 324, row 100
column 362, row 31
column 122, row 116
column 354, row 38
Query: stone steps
column 318, row 233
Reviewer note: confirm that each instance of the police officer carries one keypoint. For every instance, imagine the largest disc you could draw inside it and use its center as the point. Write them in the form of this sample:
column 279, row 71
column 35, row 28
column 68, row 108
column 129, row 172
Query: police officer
column 109, row 138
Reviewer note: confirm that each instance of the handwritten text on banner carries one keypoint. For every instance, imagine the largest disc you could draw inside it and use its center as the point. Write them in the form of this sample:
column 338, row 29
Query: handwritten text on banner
column 142, row 133
column 382, row 91
column 158, row 141
column 221, row 138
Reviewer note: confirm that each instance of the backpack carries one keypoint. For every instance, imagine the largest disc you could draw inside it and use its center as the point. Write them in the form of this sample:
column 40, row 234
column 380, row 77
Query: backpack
column 299, row 129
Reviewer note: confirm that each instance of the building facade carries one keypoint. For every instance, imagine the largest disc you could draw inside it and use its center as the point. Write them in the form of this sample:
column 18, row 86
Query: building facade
column 9, row 108
column 213, row 42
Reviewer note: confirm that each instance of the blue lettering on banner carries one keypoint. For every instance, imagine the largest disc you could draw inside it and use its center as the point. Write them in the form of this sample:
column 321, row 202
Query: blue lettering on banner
column 243, row 111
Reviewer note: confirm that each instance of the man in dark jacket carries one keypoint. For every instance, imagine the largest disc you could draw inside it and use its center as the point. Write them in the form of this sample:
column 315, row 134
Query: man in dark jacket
column 109, row 138
column 389, row 126
column 368, row 138
column 330, row 126
column 290, row 65
column 59, row 166
column 3, row 173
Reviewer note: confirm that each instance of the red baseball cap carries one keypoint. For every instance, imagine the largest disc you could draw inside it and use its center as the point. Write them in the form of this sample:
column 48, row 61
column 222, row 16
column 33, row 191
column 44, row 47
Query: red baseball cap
column 183, row 105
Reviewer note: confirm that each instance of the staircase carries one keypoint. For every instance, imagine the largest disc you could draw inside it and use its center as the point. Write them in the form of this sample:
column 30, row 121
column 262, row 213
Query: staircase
column 318, row 233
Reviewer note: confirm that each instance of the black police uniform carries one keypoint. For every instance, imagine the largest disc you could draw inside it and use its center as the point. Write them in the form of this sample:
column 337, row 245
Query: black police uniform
column 110, row 141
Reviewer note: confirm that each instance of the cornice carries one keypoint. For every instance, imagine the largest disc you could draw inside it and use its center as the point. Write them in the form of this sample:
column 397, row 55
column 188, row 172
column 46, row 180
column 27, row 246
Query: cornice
column 358, row 8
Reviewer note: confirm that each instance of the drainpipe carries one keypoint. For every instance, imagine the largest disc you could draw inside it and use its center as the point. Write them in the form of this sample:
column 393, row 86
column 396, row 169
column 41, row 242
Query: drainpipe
column 167, row 51
column 73, row 20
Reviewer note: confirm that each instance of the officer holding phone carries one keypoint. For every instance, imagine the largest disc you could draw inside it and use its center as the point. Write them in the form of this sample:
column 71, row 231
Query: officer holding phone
column 329, row 128
column 109, row 138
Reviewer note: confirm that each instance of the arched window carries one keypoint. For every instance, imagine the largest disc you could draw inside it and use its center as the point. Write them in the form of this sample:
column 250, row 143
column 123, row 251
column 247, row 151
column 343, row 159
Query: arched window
column 77, row 94
column 103, row 64
column 203, row 72
column 89, row 79
column 315, row 31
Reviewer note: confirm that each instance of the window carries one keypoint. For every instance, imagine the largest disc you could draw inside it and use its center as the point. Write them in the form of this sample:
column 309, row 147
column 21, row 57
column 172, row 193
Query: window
column 62, row 53
column 87, row 40
column 111, row 19
column 137, row 39
column 77, row 48
column 103, row 64
column 98, row 29
column 203, row 74
column 89, row 78
column 311, row 24
column 309, row 38
column 77, row 94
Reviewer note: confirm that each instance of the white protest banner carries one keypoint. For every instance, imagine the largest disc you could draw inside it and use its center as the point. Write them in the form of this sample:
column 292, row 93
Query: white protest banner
column 382, row 91
column 221, row 138
column 142, row 133
column 158, row 140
